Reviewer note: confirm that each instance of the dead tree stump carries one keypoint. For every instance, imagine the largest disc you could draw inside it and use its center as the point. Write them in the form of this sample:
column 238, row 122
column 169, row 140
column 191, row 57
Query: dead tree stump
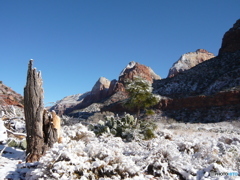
column 40, row 133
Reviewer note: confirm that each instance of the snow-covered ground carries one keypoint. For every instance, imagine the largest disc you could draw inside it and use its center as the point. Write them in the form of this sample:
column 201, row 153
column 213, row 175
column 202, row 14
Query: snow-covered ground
column 179, row 151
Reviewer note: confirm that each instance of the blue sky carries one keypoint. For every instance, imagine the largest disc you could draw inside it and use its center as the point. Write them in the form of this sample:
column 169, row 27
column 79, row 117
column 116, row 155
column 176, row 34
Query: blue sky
column 75, row 42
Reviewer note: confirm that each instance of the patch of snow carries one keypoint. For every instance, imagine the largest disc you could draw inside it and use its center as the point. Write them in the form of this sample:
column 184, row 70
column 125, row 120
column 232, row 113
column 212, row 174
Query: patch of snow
column 129, row 66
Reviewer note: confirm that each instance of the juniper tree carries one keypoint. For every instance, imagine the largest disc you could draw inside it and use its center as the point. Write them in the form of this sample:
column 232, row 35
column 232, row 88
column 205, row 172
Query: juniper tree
column 140, row 95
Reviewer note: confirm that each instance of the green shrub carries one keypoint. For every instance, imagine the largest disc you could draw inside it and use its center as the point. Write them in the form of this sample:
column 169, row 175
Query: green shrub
column 126, row 127
column 17, row 143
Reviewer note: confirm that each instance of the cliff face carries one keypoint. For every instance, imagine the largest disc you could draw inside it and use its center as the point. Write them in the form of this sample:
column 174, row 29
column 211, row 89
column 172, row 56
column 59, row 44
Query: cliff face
column 195, row 102
column 99, row 90
column 189, row 60
column 231, row 39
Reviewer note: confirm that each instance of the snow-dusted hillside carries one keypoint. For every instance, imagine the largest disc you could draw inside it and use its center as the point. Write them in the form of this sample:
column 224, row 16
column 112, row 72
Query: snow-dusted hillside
column 179, row 151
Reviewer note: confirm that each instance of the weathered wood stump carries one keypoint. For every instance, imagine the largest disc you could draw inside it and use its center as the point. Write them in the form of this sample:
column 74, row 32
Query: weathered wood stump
column 40, row 133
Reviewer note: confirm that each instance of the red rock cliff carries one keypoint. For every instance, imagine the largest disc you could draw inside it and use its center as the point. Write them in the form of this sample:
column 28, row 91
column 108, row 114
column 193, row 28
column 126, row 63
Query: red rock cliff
column 132, row 70
column 195, row 102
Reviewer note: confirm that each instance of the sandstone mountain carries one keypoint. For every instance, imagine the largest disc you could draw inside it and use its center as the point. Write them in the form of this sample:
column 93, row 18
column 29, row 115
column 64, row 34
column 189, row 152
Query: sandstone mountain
column 105, row 90
column 189, row 60
column 9, row 96
column 134, row 69
column 99, row 90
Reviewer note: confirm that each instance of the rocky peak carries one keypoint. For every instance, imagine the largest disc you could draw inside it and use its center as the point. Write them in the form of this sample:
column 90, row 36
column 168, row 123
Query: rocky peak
column 102, row 84
column 189, row 60
column 129, row 66
column 231, row 39
column 134, row 69
column 98, row 92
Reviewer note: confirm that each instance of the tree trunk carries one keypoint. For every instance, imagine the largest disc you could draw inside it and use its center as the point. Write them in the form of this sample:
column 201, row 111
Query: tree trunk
column 40, row 134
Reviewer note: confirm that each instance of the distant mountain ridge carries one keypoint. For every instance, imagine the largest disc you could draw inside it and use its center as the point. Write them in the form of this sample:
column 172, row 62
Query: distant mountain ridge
column 200, row 87
column 68, row 102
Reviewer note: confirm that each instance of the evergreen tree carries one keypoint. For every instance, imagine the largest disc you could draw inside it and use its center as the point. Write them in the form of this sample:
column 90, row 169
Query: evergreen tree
column 140, row 95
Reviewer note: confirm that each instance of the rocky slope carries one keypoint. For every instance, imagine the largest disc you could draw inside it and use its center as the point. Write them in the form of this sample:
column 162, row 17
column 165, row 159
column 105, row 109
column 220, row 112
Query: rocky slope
column 68, row 102
column 9, row 96
column 210, row 77
column 189, row 60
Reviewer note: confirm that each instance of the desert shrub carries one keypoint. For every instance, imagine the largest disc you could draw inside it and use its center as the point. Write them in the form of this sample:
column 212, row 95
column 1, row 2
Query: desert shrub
column 125, row 127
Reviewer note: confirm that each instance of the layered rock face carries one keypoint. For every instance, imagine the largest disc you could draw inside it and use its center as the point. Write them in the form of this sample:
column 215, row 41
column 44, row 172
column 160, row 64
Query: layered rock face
column 9, row 97
column 134, row 69
column 100, row 89
column 189, row 60
column 231, row 39
column 196, row 102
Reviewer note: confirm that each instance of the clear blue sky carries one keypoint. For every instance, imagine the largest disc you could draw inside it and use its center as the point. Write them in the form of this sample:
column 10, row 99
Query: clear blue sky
column 74, row 42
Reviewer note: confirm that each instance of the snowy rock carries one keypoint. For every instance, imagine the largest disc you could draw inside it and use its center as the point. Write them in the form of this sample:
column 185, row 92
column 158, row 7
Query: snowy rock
column 189, row 60
column 3, row 132
column 62, row 106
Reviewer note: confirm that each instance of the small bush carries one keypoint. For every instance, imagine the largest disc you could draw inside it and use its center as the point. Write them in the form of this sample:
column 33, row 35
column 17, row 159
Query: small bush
column 126, row 127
